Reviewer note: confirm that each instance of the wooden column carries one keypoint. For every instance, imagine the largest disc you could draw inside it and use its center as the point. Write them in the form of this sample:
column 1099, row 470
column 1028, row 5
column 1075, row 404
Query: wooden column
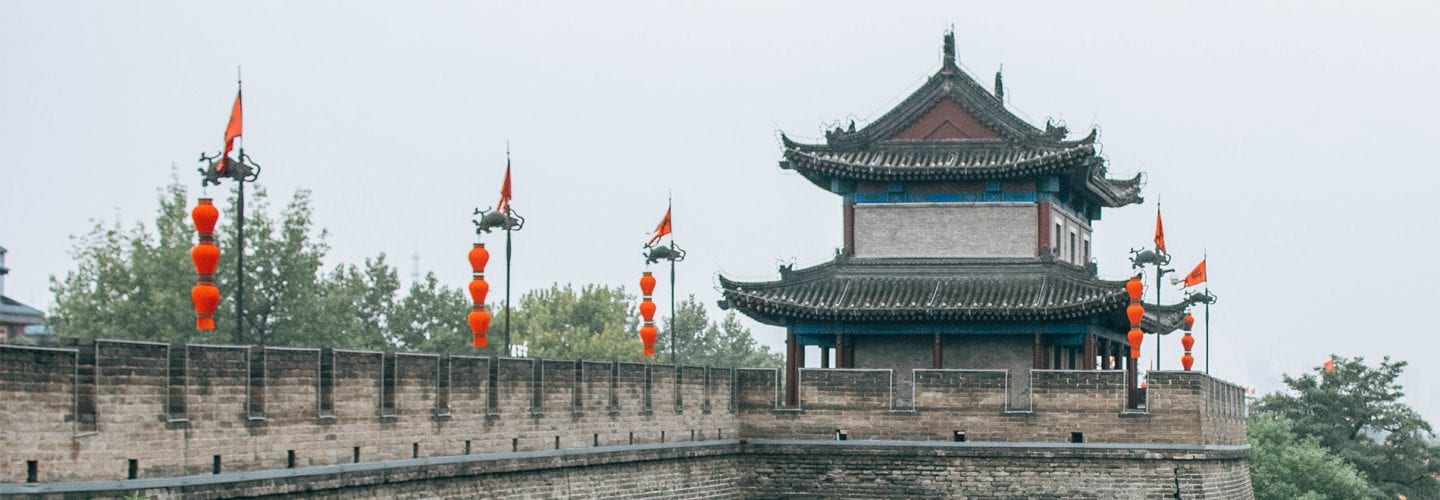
column 792, row 370
column 839, row 349
column 824, row 357
column 1089, row 363
column 937, row 353
column 1105, row 353
column 1039, row 354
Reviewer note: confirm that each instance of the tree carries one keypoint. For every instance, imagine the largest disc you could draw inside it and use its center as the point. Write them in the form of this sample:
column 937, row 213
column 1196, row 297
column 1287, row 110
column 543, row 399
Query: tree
column 431, row 318
column 597, row 322
column 131, row 284
column 1356, row 411
column 700, row 341
column 1284, row 466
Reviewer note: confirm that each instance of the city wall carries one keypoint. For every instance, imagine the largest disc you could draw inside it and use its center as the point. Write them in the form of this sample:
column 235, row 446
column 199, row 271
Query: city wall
column 111, row 410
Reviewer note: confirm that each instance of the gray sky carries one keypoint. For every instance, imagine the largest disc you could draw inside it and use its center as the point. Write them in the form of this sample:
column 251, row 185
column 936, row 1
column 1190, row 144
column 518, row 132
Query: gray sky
column 1296, row 141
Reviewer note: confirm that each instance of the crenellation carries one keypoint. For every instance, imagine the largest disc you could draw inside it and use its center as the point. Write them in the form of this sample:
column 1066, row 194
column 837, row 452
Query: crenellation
column 535, row 405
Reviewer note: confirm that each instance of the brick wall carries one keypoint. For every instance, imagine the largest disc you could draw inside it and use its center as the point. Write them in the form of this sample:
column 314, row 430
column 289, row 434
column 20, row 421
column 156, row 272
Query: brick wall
column 945, row 230
column 254, row 407
column 82, row 413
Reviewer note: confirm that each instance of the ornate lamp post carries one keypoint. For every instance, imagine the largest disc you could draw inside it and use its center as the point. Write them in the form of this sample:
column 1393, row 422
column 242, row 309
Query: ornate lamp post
column 1187, row 342
column 241, row 169
column 502, row 217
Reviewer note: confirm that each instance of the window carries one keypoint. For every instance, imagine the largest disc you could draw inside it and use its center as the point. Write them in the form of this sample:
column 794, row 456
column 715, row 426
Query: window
column 1073, row 254
column 1087, row 251
column 1055, row 238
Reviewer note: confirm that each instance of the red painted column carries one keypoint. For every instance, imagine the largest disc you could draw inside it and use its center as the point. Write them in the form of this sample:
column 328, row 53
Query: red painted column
column 1089, row 363
column 792, row 371
column 937, row 354
column 848, row 209
column 1038, row 354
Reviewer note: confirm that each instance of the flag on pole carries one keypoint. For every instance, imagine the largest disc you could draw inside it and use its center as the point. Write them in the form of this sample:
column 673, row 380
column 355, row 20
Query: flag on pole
column 1330, row 364
column 662, row 229
column 1159, row 232
column 504, row 205
column 233, row 129
column 1196, row 276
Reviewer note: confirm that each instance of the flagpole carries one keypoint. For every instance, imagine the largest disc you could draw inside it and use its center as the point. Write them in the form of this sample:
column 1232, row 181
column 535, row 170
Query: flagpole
column 240, row 233
column 508, row 277
column 669, row 205
column 1205, row 259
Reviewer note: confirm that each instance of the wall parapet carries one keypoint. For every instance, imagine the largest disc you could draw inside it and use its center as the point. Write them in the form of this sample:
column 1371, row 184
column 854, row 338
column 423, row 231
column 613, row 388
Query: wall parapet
column 87, row 411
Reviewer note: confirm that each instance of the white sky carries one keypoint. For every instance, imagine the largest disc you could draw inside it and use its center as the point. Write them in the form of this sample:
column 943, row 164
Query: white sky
column 1297, row 141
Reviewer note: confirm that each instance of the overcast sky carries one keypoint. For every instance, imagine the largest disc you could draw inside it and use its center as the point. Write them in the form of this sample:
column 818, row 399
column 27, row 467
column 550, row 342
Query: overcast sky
column 1296, row 141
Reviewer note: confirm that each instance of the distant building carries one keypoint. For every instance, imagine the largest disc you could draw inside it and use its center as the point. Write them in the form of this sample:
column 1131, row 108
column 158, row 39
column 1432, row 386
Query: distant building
column 14, row 316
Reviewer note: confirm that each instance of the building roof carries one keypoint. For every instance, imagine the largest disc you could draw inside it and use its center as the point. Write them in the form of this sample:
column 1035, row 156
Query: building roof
column 952, row 128
column 941, row 290
column 12, row 311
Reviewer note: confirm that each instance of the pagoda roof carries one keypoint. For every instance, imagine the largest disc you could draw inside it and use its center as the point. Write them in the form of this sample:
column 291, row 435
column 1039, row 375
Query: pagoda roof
column 952, row 128
column 941, row 290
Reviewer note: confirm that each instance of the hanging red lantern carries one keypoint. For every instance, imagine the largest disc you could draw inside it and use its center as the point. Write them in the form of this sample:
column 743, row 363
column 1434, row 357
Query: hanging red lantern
column 206, row 297
column 647, row 309
column 647, row 338
column 479, row 320
column 206, row 257
column 1134, row 287
column 479, row 256
column 1187, row 361
column 1189, row 321
column 205, row 215
column 479, row 288
column 1187, row 341
column 647, row 283
column 1136, row 313
column 1135, row 337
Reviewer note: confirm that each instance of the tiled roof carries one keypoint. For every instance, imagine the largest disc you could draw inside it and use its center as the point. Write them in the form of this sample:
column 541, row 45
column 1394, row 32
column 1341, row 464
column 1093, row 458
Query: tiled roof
column 1011, row 148
column 13, row 310
column 926, row 290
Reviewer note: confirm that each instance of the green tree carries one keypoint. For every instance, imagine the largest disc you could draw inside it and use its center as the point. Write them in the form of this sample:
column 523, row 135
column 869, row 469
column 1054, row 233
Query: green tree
column 596, row 322
column 131, row 284
column 700, row 341
column 1284, row 466
column 431, row 318
column 1356, row 411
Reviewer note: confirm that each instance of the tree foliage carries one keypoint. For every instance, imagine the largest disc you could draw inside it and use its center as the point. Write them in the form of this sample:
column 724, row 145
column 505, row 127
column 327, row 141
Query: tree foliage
column 1356, row 411
column 1284, row 466
column 135, row 284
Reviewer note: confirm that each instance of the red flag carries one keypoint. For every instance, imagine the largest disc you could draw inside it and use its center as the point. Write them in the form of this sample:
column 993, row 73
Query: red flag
column 1196, row 276
column 1159, row 232
column 232, row 130
column 1330, row 365
column 504, row 205
column 662, row 229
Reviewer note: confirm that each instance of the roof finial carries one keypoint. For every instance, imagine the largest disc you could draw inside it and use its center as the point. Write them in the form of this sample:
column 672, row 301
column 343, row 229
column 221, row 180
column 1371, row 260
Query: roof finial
column 949, row 57
column 1000, row 85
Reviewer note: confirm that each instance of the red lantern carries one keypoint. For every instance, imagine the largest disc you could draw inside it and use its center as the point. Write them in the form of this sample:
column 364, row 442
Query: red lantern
column 1187, row 341
column 647, row 309
column 206, row 257
column 1187, row 361
column 1136, row 313
column 1134, row 287
column 206, row 297
column 479, row 341
column 1135, row 337
column 479, row 288
column 1189, row 322
column 647, row 283
column 479, row 320
column 647, row 337
column 204, row 215
column 479, row 256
